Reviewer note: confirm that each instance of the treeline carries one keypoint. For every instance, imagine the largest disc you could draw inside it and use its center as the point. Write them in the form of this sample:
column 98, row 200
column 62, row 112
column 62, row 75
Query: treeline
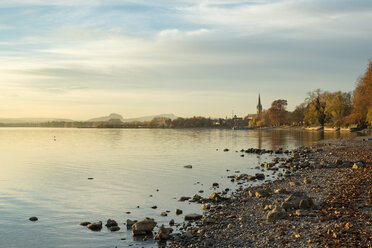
column 323, row 108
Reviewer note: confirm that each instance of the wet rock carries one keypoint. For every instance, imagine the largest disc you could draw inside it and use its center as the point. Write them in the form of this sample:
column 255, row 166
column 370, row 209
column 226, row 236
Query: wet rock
column 206, row 206
column 281, row 191
column 208, row 220
column 114, row 228
column 85, row 223
column 262, row 193
column 111, row 223
column 307, row 181
column 34, row 218
column 260, row 176
column 143, row 227
column 154, row 207
column 171, row 222
column 184, row 198
column 215, row 197
column 188, row 166
column 163, row 233
column 215, row 184
column 178, row 211
column 96, row 226
column 193, row 217
column 130, row 223
column 225, row 150
column 163, row 214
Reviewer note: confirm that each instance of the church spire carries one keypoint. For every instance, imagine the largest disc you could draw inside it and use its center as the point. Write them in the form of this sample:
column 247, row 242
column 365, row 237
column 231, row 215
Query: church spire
column 259, row 106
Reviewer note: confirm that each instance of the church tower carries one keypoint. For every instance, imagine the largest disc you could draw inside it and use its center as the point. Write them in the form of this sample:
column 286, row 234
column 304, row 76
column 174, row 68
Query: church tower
column 259, row 106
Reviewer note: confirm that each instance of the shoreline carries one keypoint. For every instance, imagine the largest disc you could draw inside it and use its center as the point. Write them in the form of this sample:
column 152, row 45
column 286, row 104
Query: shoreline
column 324, row 201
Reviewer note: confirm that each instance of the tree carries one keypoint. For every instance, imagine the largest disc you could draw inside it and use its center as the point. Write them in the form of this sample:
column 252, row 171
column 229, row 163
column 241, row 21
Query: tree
column 362, row 100
column 297, row 116
column 315, row 111
column 338, row 106
column 277, row 112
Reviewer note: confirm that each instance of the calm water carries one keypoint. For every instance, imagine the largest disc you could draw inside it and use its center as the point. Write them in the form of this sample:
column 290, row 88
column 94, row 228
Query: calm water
column 47, row 178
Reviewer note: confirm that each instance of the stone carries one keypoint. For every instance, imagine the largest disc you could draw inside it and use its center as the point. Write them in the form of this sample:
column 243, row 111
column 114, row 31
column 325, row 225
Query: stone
column 163, row 233
column 306, row 203
column 96, row 226
column 184, row 198
column 357, row 165
column 288, row 205
column 85, row 223
column 262, row 193
column 205, row 206
column 307, row 181
column 193, row 217
column 188, row 166
column 215, row 197
column 163, row 214
column 178, row 211
column 111, row 223
column 130, row 223
column 281, row 191
column 143, row 227
column 225, row 150
column 292, row 184
column 215, row 184
column 276, row 214
column 208, row 220
column 114, row 228
column 171, row 222
column 260, row 176
column 154, row 207
column 34, row 218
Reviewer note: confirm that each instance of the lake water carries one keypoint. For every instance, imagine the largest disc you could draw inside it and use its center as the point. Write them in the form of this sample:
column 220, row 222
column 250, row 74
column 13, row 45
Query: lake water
column 48, row 178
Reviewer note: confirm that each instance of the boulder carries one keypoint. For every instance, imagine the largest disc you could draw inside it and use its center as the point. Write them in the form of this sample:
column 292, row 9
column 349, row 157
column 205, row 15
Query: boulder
column 260, row 176
column 96, row 226
column 193, row 217
column 85, row 223
column 188, row 166
column 111, row 223
column 143, row 227
column 163, row 233
column 114, row 228
column 33, row 218
column 171, row 222
column 184, row 198
column 276, row 214
column 215, row 197
column 163, row 214
column 130, row 223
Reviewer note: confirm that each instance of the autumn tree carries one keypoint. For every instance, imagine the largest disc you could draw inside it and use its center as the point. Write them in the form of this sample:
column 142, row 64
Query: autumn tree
column 338, row 106
column 297, row 116
column 277, row 112
column 315, row 112
column 362, row 100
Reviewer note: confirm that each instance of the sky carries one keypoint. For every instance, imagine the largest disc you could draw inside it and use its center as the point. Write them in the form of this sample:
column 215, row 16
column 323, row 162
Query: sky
column 80, row 59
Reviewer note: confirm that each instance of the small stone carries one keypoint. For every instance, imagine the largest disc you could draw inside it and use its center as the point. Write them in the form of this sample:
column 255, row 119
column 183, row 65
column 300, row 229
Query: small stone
column 85, row 223
column 114, row 228
column 307, row 181
column 215, row 184
column 154, row 207
column 184, row 198
column 292, row 184
column 163, row 233
column 188, row 166
column 171, row 222
column 130, row 223
column 33, row 218
column 111, row 223
column 178, row 211
column 163, row 214
column 143, row 227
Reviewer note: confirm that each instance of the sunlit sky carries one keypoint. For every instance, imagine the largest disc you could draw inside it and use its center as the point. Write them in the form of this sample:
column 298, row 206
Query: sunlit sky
column 85, row 58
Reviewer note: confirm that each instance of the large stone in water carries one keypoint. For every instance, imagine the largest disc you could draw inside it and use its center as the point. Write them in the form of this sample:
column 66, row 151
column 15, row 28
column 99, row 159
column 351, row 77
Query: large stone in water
column 192, row 217
column 143, row 227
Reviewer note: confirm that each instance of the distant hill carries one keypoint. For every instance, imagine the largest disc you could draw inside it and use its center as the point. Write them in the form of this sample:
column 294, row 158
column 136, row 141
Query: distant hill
column 150, row 117
column 31, row 120
column 107, row 118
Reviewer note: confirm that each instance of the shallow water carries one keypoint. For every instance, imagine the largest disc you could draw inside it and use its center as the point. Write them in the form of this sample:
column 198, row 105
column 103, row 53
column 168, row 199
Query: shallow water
column 47, row 177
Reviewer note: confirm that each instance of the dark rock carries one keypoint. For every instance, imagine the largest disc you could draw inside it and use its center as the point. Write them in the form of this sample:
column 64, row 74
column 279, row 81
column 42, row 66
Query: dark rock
column 33, row 218
column 184, row 198
column 178, row 211
column 163, row 233
column 192, row 217
column 130, row 223
column 96, row 226
column 114, row 228
column 143, row 227
column 188, row 166
column 111, row 223
column 85, row 223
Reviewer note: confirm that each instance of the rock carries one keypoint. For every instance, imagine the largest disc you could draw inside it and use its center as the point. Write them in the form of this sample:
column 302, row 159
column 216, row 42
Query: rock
column 357, row 165
column 208, row 220
column 163, row 214
column 184, row 198
column 292, row 184
column 163, row 233
column 225, row 150
column 188, row 166
column 143, row 227
column 262, row 193
column 206, row 206
column 306, row 203
column 197, row 197
column 193, row 217
column 281, row 191
column 171, row 222
column 215, row 197
column 33, row 218
column 307, row 181
column 96, row 226
column 288, row 205
column 130, row 223
column 215, row 184
column 178, row 211
column 154, row 207
column 276, row 214
column 114, row 228
column 260, row 176
column 85, row 223
column 111, row 223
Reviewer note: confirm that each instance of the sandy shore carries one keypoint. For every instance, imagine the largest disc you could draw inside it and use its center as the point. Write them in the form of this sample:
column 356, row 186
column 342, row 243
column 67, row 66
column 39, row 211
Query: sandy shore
column 324, row 200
